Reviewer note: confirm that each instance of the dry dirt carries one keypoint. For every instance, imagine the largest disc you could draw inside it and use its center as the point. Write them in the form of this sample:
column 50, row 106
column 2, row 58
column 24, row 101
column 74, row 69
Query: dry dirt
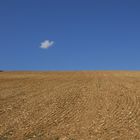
column 93, row 105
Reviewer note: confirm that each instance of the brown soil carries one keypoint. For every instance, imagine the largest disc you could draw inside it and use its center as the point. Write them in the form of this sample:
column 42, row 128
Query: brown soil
column 94, row 105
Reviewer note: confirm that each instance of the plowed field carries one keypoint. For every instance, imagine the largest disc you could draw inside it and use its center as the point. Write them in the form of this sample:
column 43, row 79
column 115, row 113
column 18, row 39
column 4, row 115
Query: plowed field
column 85, row 105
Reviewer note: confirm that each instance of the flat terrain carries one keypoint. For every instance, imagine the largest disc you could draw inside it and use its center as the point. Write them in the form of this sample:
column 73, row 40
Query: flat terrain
column 86, row 105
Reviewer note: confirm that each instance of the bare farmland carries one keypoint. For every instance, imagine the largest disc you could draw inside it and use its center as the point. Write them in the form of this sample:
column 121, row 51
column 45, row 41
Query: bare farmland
column 93, row 105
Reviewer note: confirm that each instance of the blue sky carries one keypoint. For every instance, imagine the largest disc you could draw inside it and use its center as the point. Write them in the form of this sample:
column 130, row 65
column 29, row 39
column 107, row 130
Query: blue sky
column 87, row 34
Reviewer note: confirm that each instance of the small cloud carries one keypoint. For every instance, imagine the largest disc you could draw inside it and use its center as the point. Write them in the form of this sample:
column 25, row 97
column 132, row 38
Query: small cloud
column 46, row 44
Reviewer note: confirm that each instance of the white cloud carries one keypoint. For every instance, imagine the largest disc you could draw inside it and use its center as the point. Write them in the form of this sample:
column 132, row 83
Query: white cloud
column 46, row 44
